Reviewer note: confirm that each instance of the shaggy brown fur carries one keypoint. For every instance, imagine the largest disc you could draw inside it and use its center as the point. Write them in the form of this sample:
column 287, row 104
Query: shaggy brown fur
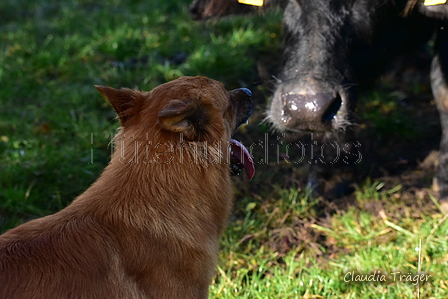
column 149, row 226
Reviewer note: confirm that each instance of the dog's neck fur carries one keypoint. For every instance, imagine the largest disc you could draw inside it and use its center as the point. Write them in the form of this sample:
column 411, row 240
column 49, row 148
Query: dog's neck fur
column 143, row 202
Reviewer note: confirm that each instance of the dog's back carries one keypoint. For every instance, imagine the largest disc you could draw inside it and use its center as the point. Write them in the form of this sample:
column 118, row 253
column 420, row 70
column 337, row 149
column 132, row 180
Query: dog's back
column 65, row 255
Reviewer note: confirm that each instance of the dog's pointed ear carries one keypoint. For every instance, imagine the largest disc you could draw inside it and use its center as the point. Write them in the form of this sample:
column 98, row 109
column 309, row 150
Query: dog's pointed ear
column 126, row 102
column 176, row 116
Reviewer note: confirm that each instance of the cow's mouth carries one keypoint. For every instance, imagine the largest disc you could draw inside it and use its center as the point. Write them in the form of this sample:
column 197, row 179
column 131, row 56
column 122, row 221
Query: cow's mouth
column 240, row 158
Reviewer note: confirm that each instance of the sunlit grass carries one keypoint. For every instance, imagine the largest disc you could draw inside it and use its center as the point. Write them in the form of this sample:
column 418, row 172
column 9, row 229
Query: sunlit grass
column 369, row 242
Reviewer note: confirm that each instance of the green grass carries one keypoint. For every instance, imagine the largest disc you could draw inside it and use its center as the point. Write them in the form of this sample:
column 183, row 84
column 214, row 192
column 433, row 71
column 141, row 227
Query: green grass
column 374, row 236
column 281, row 242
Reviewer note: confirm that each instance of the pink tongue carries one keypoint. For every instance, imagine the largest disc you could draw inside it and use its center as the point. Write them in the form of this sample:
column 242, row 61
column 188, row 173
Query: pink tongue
column 240, row 152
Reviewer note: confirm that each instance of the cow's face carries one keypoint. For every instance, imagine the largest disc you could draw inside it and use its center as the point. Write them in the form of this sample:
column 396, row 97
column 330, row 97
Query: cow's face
column 330, row 47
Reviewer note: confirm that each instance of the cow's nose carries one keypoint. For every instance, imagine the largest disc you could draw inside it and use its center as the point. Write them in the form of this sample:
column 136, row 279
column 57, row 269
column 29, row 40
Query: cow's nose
column 310, row 111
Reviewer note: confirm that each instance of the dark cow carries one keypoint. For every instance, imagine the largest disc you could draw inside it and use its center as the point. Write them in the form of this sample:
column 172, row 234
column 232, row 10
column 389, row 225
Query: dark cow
column 333, row 46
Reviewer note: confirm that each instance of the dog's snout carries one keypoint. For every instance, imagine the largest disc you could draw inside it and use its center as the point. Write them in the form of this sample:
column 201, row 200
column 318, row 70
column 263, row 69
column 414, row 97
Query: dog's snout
column 247, row 91
column 242, row 101
column 239, row 93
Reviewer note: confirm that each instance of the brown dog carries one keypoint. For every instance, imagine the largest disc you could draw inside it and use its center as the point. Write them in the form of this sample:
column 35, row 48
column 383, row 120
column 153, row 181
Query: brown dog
column 149, row 226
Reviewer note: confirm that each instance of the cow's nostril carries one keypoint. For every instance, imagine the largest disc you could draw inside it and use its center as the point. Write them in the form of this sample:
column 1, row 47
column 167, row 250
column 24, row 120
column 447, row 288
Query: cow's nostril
column 332, row 110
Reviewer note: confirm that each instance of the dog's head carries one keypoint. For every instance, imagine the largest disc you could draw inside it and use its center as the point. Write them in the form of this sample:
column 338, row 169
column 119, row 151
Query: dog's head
column 198, row 109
